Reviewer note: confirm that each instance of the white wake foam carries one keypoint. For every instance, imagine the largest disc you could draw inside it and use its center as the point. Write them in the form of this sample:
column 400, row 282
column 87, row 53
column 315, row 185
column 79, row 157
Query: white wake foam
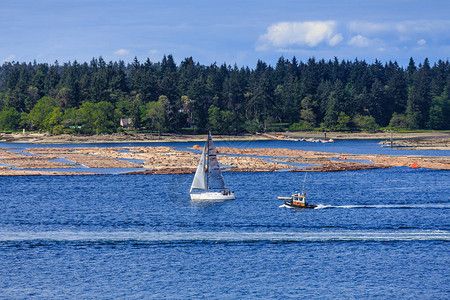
column 284, row 205
column 124, row 236
column 429, row 205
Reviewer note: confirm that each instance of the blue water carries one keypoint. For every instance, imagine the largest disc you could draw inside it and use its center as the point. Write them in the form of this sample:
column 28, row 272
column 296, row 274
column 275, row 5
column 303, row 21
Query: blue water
column 340, row 146
column 377, row 234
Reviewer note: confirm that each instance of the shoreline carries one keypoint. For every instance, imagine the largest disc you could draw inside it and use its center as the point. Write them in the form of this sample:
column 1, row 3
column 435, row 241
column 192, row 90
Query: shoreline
column 43, row 138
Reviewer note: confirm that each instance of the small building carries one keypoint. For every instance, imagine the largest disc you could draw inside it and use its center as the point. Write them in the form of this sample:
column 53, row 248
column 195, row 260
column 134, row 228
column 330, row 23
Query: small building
column 125, row 122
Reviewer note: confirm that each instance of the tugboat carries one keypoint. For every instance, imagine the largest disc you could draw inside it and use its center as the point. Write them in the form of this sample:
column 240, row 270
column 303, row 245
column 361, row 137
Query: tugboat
column 298, row 200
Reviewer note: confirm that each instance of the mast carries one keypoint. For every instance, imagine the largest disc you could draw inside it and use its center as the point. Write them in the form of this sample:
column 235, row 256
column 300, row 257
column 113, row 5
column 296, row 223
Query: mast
column 304, row 180
column 207, row 162
column 391, row 138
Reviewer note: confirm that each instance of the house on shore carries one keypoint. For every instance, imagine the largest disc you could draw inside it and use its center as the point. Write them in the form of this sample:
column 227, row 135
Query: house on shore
column 125, row 123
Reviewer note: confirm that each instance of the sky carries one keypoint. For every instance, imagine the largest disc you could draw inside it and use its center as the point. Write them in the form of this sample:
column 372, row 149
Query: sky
column 231, row 32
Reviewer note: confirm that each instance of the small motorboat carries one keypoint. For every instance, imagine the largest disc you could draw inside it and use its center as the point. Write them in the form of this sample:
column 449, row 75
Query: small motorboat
column 297, row 200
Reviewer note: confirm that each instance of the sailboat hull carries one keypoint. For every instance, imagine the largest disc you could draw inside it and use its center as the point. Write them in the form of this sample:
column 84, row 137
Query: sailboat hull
column 217, row 196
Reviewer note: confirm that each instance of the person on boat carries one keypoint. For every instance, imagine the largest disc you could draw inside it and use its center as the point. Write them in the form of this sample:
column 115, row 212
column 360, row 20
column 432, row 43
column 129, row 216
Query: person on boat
column 303, row 199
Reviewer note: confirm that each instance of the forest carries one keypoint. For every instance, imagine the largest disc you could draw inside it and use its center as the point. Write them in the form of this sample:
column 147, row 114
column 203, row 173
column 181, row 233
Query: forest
column 162, row 96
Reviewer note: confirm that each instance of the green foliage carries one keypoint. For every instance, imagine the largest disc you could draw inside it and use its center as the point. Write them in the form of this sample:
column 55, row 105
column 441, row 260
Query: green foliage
column 215, row 119
column 399, row 122
column 154, row 115
column 302, row 93
column 253, row 126
column 220, row 121
column 344, row 122
column 52, row 123
column 334, row 106
column 39, row 117
column 439, row 114
column 96, row 118
column 72, row 119
column 307, row 113
column 419, row 98
column 23, row 120
column 366, row 123
column 436, row 118
column 301, row 126
column 104, row 117
column 9, row 119
column 87, row 119
column 278, row 126
column 130, row 107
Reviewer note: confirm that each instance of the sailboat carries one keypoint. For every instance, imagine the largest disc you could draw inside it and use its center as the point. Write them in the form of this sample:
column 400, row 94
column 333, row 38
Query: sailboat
column 298, row 200
column 208, row 177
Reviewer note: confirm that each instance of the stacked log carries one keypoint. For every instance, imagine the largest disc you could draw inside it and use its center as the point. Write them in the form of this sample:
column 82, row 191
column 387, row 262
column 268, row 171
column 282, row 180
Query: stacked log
column 167, row 160
column 30, row 162
column 88, row 157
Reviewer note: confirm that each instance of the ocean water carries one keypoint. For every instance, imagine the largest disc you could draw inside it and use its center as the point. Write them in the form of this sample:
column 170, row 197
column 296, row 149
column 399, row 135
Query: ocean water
column 375, row 234
column 340, row 146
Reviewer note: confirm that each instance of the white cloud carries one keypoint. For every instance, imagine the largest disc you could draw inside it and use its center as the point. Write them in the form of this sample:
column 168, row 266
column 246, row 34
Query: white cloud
column 359, row 41
column 421, row 42
column 402, row 27
column 309, row 34
column 421, row 26
column 122, row 52
column 398, row 34
column 368, row 27
column 361, row 36
column 8, row 58
column 336, row 39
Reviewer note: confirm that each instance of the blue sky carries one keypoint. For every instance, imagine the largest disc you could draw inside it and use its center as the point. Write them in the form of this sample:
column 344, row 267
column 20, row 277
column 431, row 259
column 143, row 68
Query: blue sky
column 229, row 32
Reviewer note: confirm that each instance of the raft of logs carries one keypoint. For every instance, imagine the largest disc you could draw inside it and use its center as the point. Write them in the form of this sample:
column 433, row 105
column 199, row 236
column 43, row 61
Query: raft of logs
column 167, row 160
column 420, row 144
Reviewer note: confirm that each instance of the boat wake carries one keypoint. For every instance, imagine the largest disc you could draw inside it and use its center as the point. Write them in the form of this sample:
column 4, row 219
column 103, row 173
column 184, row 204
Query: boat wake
column 284, row 205
column 391, row 206
column 220, row 237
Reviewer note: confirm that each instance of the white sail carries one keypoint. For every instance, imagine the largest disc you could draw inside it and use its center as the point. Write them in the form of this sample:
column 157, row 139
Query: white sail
column 215, row 179
column 208, row 176
column 199, row 181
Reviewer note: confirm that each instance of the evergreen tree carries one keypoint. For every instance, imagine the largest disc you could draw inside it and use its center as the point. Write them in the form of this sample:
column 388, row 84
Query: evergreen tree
column 307, row 113
column 250, row 97
column 334, row 106
column 419, row 99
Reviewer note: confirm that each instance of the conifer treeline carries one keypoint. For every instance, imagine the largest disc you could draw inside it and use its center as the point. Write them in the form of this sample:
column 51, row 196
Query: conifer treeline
column 333, row 95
